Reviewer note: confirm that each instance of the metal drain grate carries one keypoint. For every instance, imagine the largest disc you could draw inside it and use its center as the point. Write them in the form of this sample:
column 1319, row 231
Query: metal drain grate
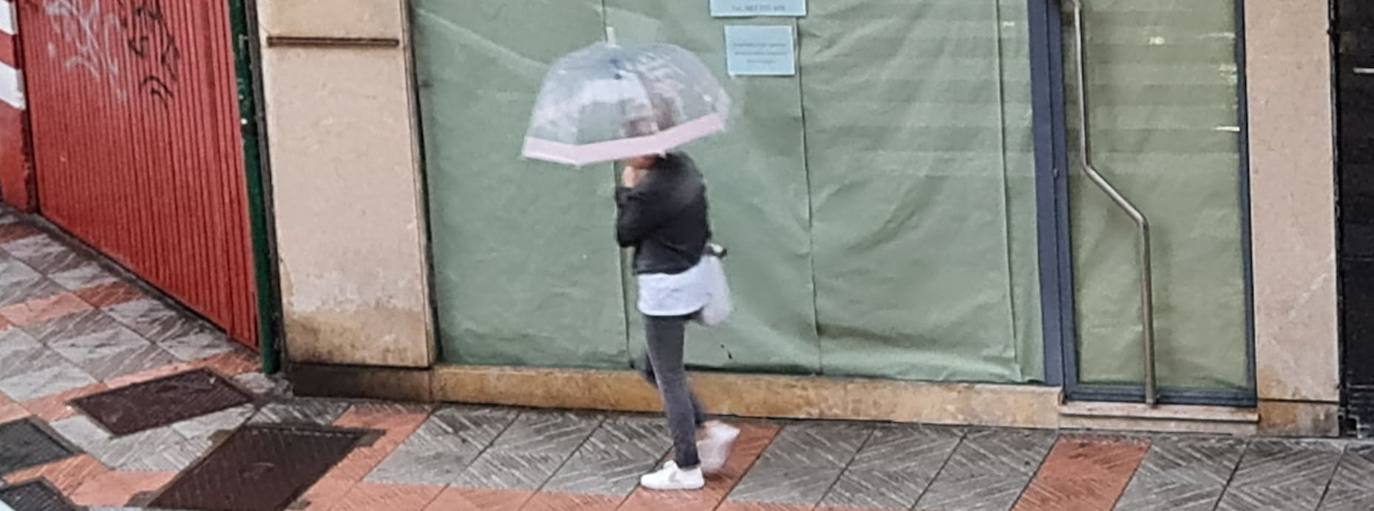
column 163, row 401
column 35, row 496
column 27, row 444
column 259, row 468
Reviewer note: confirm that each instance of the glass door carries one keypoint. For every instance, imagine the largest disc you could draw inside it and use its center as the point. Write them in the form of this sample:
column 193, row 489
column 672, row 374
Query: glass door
column 1156, row 214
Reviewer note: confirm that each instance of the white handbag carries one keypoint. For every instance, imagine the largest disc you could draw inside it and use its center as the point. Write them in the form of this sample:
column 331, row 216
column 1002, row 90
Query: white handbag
column 718, row 306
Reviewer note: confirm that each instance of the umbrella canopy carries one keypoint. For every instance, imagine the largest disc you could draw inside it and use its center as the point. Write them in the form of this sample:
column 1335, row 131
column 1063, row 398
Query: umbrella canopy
column 609, row 102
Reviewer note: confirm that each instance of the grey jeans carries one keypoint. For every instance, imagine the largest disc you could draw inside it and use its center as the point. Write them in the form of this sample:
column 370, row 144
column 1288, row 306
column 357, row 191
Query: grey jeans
column 662, row 365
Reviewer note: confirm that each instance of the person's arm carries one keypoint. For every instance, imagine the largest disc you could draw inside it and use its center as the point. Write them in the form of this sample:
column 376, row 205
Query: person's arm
column 641, row 210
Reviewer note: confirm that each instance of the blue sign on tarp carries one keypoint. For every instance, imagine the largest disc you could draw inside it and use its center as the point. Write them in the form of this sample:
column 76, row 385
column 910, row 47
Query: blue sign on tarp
column 750, row 8
column 760, row 50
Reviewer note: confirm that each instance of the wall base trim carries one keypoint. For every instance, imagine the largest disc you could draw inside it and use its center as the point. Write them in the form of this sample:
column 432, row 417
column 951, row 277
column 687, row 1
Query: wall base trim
column 808, row 397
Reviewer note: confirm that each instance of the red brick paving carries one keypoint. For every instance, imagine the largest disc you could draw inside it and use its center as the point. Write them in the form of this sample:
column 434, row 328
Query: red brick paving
column 759, row 506
column 12, row 412
column 397, row 427
column 115, row 489
column 1083, row 474
column 67, row 475
column 387, row 497
column 107, row 295
column 567, row 502
column 469, row 499
column 324, row 494
column 42, row 310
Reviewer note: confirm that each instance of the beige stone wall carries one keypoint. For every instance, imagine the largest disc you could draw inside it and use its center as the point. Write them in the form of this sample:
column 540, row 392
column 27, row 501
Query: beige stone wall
column 345, row 177
column 1293, row 210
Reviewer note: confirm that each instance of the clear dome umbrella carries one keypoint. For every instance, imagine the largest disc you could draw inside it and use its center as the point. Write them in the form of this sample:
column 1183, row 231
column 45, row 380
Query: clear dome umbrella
column 608, row 102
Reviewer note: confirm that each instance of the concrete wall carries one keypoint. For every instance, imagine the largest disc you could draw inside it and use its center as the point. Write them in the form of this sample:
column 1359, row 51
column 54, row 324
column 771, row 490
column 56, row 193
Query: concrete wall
column 1288, row 66
column 345, row 176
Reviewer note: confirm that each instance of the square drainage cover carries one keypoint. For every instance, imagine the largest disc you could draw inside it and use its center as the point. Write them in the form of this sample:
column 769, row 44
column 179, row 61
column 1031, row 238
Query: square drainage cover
column 263, row 467
column 35, row 496
column 28, row 444
column 156, row 403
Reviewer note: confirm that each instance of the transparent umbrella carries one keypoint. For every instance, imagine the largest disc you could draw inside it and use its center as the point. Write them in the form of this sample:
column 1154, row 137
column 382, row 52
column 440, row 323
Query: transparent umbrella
column 609, row 102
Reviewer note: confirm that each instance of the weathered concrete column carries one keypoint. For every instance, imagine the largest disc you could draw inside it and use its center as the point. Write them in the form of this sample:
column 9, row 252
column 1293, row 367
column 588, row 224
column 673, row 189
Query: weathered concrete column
column 346, row 182
column 1293, row 215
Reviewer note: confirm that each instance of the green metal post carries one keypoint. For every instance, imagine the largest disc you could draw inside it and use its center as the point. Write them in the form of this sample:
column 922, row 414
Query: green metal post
column 245, row 43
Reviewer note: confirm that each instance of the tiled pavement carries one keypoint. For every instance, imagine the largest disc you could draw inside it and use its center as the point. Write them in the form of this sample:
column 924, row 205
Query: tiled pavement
column 70, row 328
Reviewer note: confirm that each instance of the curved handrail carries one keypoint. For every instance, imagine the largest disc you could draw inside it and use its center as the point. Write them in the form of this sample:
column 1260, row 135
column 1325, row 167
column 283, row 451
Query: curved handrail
column 1147, row 316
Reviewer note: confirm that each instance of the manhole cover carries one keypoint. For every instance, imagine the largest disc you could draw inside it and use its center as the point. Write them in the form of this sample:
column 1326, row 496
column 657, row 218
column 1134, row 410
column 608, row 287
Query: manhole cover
column 35, row 496
column 27, row 444
column 163, row 401
column 259, row 468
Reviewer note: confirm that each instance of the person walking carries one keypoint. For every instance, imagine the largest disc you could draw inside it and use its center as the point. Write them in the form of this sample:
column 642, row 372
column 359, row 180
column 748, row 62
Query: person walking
column 662, row 213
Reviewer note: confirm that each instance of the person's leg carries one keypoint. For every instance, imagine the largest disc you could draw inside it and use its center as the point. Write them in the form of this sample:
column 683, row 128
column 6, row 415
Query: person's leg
column 646, row 371
column 665, row 355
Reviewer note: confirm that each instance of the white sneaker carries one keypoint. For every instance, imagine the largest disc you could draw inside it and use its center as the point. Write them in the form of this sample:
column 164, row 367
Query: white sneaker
column 715, row 448
column 671, row 478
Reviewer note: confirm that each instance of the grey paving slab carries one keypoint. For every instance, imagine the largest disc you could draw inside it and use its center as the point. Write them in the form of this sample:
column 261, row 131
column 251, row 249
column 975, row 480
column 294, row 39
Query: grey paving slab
column 16, row 347
column 1276, row 475
column 173, row 457
column 555, row 433
column 30, row 246
column 156, row 449
column 59, row 377
column 206, row 426
column 613, row 458
column 322, row 412
column 25, row 289
column 988, row 470
column 92, row 347
column 531, row 450
column 260, row 384
column 1182, row 474
column 197, row 346
column 13, row 270
column 504, row 470
column 123, row 364
column 802, row 463
column 55, row 261
column 1352, row 487
column 443, row 446
column 73, row 325
column 155, row 320
column 85, row 275
column 894, row 467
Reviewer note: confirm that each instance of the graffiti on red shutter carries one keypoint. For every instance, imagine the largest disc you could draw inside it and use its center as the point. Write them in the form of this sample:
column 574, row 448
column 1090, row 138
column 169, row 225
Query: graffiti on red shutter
column 100, row 36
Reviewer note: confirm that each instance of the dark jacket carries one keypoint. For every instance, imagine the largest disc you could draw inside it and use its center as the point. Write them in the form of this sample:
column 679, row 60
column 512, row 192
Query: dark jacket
column 664, row 217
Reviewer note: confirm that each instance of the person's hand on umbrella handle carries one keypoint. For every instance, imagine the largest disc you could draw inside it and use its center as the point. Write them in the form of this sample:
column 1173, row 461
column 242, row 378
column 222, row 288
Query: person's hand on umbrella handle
column 631, row 176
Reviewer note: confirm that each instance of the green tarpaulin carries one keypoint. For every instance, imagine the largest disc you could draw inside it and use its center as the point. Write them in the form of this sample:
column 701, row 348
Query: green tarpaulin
column 922, row 187
column 525, row 270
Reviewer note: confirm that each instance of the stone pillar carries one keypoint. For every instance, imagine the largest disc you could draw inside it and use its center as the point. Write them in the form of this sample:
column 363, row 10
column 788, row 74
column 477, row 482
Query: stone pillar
column 346, row 182
column 1288, row 71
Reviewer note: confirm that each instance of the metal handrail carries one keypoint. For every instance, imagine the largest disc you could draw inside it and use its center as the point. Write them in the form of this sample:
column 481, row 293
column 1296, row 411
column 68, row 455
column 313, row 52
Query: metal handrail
column 1147, row 315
